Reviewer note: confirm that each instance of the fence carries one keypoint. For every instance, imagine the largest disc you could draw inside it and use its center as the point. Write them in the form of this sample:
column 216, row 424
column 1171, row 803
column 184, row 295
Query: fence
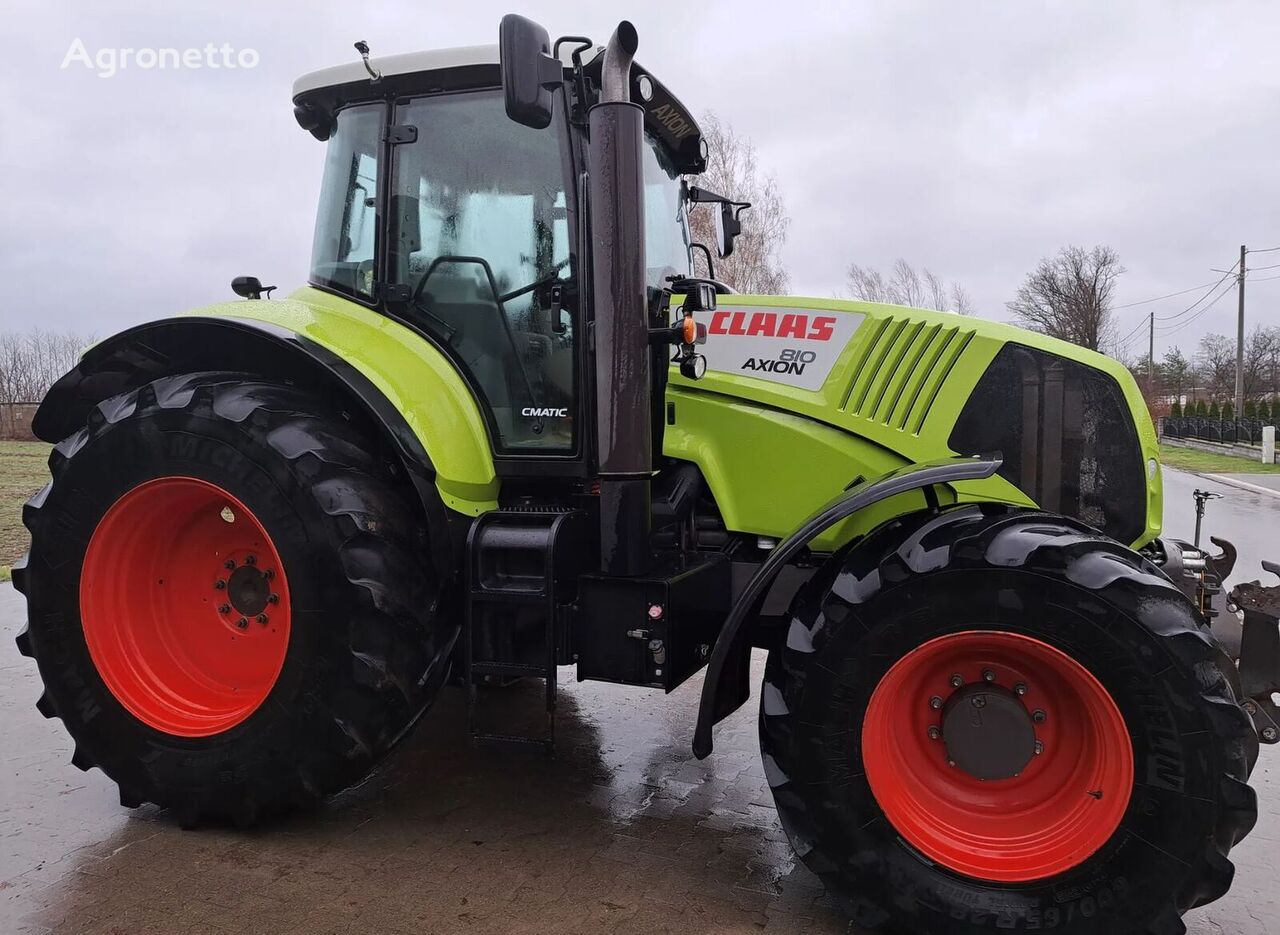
column 1227, row 431
column 15, row 420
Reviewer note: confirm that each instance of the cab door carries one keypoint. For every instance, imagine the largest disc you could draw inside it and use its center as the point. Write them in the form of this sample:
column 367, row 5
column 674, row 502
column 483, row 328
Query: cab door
column 480, row 256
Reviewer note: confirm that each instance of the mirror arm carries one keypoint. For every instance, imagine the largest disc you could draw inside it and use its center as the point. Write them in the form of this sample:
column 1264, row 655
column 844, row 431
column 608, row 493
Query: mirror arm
column 706, row 251
column 583, row 43
column 550, row 71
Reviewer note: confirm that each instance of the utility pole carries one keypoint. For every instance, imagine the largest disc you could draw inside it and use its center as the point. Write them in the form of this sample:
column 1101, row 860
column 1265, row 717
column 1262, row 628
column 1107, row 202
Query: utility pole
column 1240, row 339
column 1151, row 356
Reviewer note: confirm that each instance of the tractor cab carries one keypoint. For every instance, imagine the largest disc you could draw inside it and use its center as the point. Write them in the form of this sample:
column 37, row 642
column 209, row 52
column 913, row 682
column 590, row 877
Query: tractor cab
column 444, row 213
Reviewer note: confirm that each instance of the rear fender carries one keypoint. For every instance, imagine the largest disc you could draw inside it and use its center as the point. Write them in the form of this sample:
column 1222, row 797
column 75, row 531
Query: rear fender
column 726, row 687
column 147, row 352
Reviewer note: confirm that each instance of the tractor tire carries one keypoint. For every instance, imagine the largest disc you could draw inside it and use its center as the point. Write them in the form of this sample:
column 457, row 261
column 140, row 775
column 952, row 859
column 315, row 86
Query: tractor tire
column 229, row 598
column 989, row 720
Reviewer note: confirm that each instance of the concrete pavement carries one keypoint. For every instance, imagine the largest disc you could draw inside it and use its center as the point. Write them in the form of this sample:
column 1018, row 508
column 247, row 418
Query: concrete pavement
column 623, row 831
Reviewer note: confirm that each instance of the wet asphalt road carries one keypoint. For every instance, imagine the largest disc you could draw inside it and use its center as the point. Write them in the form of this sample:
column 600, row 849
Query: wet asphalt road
column 622, row 832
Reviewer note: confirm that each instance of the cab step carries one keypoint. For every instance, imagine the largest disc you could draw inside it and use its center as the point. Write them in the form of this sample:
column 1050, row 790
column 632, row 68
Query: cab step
column 522, row 571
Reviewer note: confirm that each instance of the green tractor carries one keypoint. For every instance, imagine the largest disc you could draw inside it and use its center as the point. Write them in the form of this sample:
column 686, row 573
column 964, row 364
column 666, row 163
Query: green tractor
column 505, row 429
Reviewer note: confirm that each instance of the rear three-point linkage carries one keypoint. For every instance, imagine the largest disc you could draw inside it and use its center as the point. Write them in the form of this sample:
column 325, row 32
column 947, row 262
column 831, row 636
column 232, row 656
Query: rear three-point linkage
column 1260, row 652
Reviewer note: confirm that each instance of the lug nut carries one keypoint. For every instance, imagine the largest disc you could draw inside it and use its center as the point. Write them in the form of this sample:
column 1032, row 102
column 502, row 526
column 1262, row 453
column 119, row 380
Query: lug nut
column 1038, row 716
column 262, row 618
column 1039, row 747
column 219, row 584
column 935, row 702
column 229, row 564
column 1020, row 689
column 988, row 675
column 242, row 623
column 951, row 763
column 934, row 732
column 1269, row 734
column 957, row 680
column 268, row 574
column 251, row 559
column 273, row 598
column 224, row 608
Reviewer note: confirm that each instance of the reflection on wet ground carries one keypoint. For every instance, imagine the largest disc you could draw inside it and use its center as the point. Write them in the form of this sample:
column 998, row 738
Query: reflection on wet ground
column 623, row 831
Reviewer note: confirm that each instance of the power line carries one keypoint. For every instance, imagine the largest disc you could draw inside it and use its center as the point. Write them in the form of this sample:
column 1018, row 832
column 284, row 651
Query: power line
column 1174, row 329
column 1159, row 297
column 1267, row 250
column 1224, row 278
column 1124, row 342
column 1130, row 334
column 1254, row 269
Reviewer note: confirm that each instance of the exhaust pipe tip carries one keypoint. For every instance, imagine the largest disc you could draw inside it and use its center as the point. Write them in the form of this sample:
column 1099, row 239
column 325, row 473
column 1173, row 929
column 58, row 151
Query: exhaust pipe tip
column 615, row 73
column 626, row 37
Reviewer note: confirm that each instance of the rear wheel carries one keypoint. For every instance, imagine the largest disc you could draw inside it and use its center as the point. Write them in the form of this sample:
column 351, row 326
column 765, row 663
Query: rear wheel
column 987, row 720
column 229, row 598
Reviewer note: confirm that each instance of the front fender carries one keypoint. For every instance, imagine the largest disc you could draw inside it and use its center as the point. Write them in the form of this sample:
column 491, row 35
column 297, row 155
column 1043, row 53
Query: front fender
column 725, row 687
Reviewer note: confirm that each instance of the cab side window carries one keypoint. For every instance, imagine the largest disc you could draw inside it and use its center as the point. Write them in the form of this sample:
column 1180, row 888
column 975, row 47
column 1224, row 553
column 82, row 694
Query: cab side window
column 342, row 254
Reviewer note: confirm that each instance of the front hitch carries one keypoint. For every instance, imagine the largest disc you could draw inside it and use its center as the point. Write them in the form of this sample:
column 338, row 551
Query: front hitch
column 1260, row 652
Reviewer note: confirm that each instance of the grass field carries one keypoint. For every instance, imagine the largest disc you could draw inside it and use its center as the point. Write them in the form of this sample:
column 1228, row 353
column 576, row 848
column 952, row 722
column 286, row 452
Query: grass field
column 1210, row 462
column 22, row 473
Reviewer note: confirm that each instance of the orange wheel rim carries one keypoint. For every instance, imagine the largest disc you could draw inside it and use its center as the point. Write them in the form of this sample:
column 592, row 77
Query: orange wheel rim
column 1038, row 820
column 185, row 606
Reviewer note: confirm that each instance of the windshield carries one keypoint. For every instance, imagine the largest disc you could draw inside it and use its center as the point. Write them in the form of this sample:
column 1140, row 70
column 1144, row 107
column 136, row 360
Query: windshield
column 666, row 229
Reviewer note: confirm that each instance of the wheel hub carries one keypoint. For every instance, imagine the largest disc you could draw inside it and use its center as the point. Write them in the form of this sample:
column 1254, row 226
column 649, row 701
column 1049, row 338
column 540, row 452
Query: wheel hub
column 988, row 732
column 248, row 590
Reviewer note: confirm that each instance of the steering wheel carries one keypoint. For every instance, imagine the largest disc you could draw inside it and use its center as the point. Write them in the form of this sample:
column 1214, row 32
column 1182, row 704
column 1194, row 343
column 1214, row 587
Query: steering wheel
column 498, row 299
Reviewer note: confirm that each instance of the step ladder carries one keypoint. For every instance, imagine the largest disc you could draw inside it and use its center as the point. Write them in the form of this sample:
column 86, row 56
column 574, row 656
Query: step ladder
column 522, row 570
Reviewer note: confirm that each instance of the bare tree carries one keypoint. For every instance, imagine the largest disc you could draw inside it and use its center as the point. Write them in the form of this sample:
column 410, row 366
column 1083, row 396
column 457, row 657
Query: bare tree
column 1259, row 354
column 1271, row 366
column 1217, row 359
column 755, row 266
column 1069, row 295
column 905, row 286
column 30, row 363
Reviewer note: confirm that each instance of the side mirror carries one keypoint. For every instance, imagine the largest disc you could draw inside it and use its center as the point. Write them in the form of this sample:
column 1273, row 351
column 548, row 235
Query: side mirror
column 529, row 72
column 728, row 228
column 250, row 287
column 727, row 225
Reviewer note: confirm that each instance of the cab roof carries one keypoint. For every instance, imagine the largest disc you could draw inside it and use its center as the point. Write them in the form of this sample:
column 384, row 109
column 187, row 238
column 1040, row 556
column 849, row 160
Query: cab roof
column 319, row 94
column 404, row 64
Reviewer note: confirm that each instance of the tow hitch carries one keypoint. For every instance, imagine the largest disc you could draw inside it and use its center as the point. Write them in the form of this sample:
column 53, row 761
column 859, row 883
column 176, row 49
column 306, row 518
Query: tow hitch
column 1260, row 652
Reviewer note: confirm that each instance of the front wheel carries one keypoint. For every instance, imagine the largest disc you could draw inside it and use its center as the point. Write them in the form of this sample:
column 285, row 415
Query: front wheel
column 988, row 720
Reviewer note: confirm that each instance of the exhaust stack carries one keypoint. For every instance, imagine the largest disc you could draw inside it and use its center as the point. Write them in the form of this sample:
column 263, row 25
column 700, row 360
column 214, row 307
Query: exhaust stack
column 623, row 387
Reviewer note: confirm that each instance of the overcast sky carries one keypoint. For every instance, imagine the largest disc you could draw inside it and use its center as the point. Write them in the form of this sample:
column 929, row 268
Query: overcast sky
column 973, row 138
